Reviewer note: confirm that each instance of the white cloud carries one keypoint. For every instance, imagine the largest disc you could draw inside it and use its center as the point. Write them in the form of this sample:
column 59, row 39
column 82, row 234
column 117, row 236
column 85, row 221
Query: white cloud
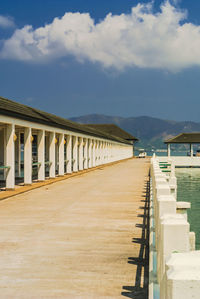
column 176, row 1
column 140, row 39
column 6, row 22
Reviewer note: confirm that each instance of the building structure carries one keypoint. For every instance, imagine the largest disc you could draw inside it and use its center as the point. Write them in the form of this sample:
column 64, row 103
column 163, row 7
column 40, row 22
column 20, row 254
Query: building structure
column 114, row 130
column 183, row 138
column 37, row 144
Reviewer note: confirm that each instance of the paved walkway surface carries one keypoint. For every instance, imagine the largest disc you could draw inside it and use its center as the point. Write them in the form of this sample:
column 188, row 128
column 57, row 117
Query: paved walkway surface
column 84, row 237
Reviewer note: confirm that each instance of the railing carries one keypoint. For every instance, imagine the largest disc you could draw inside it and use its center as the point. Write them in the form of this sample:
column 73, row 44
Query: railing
column 2, row 167
column 37, row 164
column 174, row 263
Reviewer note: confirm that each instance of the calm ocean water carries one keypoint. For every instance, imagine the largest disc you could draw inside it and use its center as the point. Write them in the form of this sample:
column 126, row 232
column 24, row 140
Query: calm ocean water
column 188, row 180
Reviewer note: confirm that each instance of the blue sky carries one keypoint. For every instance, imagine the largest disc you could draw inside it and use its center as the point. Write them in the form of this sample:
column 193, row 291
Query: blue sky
column 144, row 61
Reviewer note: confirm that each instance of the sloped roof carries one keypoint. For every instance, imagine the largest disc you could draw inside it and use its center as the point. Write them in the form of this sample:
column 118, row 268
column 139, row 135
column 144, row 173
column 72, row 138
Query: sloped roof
column 14, row 109
column 113, row 130
column 185, row 138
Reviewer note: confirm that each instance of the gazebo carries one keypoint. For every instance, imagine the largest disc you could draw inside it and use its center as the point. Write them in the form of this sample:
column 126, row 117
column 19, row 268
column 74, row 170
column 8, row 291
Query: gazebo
column 184, row 138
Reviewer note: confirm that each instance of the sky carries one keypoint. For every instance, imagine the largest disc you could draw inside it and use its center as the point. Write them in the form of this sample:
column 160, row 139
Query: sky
column 115, row 57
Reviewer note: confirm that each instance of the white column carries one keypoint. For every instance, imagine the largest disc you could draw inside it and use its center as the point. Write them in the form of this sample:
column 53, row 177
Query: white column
column 97, row 152
column 57, row 153
column 103, row 153
column 191, row 150
column 94, row 154
column 52, row 155
column 80, row 153
column 96, row 142
column 89, row 153
column 86, row 154
column 2, row 148
column 69, row 154
column 27, row 156
column 41, row 155
column 106, row 152
column 168, row 150
column 10, row 156
column 18, row 154
column 75, row 153
column 100, row 152
column 61, row 154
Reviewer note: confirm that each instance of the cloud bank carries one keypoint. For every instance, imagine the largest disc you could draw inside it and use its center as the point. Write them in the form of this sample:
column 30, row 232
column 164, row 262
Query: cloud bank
column 162, row 40
column 6, row 22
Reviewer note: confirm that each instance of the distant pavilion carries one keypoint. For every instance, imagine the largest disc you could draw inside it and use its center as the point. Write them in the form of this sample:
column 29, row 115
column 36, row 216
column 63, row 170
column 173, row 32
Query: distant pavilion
column 183, row 138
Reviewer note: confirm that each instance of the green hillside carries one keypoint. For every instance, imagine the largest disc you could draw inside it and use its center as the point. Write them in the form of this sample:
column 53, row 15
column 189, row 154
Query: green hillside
column 151, row 131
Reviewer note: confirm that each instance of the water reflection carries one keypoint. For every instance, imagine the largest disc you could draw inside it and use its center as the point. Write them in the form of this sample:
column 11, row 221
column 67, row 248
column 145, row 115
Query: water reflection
column 188, row 180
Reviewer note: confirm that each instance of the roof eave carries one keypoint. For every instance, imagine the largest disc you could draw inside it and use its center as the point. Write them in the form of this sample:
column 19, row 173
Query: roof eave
column 49, row 123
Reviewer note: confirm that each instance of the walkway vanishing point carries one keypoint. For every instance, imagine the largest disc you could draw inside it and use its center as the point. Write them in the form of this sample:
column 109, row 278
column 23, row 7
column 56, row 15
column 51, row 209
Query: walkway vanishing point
column 84, row 237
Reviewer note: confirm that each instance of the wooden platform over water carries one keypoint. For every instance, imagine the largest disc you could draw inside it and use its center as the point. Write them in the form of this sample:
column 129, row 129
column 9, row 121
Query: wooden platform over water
column 85, row 237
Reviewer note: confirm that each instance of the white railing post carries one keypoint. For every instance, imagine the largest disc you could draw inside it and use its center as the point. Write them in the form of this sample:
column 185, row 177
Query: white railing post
column 182, row 278
column 174, row 237
column 168, row 150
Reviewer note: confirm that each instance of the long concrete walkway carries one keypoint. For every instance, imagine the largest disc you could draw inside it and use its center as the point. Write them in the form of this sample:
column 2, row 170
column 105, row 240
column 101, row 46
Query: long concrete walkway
column 85, row 237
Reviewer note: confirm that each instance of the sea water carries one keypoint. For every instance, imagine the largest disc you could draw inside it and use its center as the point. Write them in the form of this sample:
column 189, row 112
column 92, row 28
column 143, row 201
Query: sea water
column 188, row 183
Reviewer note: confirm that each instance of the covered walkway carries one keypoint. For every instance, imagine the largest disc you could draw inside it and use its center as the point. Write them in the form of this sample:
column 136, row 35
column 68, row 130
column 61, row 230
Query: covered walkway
column 85, row 237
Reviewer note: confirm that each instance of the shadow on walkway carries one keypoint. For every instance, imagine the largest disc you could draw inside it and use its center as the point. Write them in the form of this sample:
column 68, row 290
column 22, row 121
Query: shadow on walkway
column 140, row 288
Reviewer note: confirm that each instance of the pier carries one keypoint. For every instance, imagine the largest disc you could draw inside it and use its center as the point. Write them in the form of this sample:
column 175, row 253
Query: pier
column 83, row 237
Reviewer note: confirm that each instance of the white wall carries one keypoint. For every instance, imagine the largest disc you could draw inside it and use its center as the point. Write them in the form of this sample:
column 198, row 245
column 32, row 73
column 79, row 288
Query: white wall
column 182, row 161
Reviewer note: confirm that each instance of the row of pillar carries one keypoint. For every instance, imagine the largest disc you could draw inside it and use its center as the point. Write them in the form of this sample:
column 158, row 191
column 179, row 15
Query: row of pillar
column 169, row 150
column 65, row 153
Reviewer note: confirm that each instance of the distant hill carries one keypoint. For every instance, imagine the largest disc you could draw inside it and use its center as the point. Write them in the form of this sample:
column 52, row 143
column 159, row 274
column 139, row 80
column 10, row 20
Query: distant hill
column 151, row 131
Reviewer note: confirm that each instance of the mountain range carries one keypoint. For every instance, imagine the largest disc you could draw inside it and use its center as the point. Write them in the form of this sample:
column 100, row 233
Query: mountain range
column 150, row 131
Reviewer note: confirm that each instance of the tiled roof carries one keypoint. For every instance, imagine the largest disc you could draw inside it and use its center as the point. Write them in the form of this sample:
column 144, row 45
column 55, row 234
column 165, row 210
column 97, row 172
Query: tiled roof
column 113, row 130
column 185, row 138
column 14, row 109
